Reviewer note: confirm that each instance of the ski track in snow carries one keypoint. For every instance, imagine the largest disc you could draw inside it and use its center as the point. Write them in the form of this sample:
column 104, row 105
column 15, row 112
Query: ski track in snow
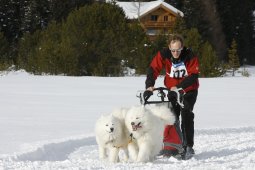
column 227, row 148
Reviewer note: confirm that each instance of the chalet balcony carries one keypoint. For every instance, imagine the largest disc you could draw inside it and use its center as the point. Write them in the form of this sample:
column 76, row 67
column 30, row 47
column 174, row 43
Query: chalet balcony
column 158, row 24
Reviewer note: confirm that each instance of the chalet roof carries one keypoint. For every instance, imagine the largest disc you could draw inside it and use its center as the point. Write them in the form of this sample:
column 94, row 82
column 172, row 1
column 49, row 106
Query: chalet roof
column 131, row 8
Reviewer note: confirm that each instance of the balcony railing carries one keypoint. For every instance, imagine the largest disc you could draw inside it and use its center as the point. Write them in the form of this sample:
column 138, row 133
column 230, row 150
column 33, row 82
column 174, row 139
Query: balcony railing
column 157, row 24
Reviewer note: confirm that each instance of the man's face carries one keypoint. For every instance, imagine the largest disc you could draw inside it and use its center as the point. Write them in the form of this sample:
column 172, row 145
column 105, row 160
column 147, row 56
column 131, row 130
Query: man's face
column 175, row 48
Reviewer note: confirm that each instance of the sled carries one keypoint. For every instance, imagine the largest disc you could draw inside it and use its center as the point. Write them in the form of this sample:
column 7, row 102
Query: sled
column 173, row 141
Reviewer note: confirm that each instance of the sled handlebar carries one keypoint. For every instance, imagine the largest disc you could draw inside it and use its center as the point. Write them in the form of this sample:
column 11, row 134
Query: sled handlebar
column 162, row 94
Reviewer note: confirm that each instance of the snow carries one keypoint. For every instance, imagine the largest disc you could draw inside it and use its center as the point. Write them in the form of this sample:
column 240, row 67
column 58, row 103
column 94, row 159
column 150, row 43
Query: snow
column 47, row 122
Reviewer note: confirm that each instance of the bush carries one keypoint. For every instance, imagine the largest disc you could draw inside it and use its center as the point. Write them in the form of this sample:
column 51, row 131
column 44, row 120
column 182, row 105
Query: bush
column 245, row 73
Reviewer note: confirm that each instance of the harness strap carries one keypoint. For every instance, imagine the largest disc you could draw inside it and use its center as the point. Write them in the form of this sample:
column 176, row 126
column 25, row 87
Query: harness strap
column 131, row 138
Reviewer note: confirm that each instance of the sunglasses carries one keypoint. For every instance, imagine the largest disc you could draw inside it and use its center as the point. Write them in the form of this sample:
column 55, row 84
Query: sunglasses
column 175, row 50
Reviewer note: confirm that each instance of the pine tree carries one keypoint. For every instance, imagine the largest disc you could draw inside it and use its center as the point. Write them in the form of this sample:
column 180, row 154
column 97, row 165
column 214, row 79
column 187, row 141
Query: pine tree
column 4, row 60
column 35, row 15
column 138, row 57
column 211, row 29
column 3, row 45
column 192, row 12
column 193, row 40
column 238, row 23
column 209, row 62
column 10, row 19
column 60, row 9
column 174, row 3
column 99, row 44
column 233, row 58
column 88, row 43
column 48, row 51
column 179, row 26
column 40, row 53
column 203, row 15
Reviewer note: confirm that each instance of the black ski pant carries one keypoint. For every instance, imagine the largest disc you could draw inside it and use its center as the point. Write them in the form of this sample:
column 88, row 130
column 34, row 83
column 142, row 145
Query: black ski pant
column 187, row 116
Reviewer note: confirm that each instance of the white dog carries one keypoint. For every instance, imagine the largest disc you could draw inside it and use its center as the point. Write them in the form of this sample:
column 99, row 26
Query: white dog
column 111, row 136
column 146, row 124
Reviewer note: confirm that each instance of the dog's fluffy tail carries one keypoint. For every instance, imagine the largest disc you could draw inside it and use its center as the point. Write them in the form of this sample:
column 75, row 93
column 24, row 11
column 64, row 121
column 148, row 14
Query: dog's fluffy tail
column 164, row 113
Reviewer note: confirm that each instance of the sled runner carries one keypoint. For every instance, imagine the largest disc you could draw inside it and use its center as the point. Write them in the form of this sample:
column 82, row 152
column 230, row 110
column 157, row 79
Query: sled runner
column 173, row 141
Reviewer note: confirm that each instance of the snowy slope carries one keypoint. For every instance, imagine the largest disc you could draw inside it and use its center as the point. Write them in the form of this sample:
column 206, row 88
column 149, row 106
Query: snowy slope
column 47, row 122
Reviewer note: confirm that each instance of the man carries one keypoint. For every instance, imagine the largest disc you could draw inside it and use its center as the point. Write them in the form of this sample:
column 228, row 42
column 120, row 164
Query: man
column 181, row 69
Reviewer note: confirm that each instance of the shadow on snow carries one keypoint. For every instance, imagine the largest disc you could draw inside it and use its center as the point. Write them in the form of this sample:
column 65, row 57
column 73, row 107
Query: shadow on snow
column 60, row 151
column 56, row 151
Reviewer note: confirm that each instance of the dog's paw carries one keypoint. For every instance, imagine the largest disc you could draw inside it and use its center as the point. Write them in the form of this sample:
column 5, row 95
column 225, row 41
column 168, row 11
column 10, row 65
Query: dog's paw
column 125, row 158
column 142, row 160
column 114, row 160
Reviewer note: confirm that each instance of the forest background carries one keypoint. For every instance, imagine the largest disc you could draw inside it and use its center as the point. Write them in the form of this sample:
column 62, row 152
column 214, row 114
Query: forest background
column 94, row 38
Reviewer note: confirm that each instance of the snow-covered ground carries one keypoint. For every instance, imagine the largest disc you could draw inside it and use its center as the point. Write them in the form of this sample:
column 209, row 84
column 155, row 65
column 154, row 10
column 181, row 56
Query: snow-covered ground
column 47, row 122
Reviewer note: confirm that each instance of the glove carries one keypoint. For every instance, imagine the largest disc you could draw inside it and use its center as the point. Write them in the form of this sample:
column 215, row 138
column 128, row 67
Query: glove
column 147, row 94
column 172, row 96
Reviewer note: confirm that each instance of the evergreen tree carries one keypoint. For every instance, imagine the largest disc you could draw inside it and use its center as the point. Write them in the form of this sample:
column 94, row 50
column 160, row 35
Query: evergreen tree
column 160, row 42
column 35, row 15
column 68, row 58
column 3, row 45
column 60, row 9
column 4, row 60
column 237, row 22
column 179, row 26
column 192, row 13
column 233, row 57
column 193, row 40
column 88, row 43
column 40, row 53
column 139, row 56
column 209, row 62
column 48, row 52
column 101, row 41
column 10, row 19
column 203, row 15
column 27, row 58
column 212, row 28
column 175, row 3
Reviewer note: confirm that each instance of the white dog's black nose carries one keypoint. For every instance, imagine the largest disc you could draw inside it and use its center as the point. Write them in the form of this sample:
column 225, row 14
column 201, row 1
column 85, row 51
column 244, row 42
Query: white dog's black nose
column 132, row 123
column 111, row 129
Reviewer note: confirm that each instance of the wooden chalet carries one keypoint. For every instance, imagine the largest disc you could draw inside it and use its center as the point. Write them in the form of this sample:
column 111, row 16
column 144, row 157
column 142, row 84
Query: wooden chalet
column 156, row 17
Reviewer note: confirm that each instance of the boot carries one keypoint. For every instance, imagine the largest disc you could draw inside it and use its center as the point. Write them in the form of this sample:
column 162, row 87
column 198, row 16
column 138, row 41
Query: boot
column 189, row 153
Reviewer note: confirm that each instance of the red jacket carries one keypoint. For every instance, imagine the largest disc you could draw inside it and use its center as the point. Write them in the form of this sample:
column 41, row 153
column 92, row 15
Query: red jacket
column 182, row 72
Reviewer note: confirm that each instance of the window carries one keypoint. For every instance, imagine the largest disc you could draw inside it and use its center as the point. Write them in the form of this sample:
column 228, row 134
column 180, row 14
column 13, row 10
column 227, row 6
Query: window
column 166, row 18
column 154, row 17
column 152, row 31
